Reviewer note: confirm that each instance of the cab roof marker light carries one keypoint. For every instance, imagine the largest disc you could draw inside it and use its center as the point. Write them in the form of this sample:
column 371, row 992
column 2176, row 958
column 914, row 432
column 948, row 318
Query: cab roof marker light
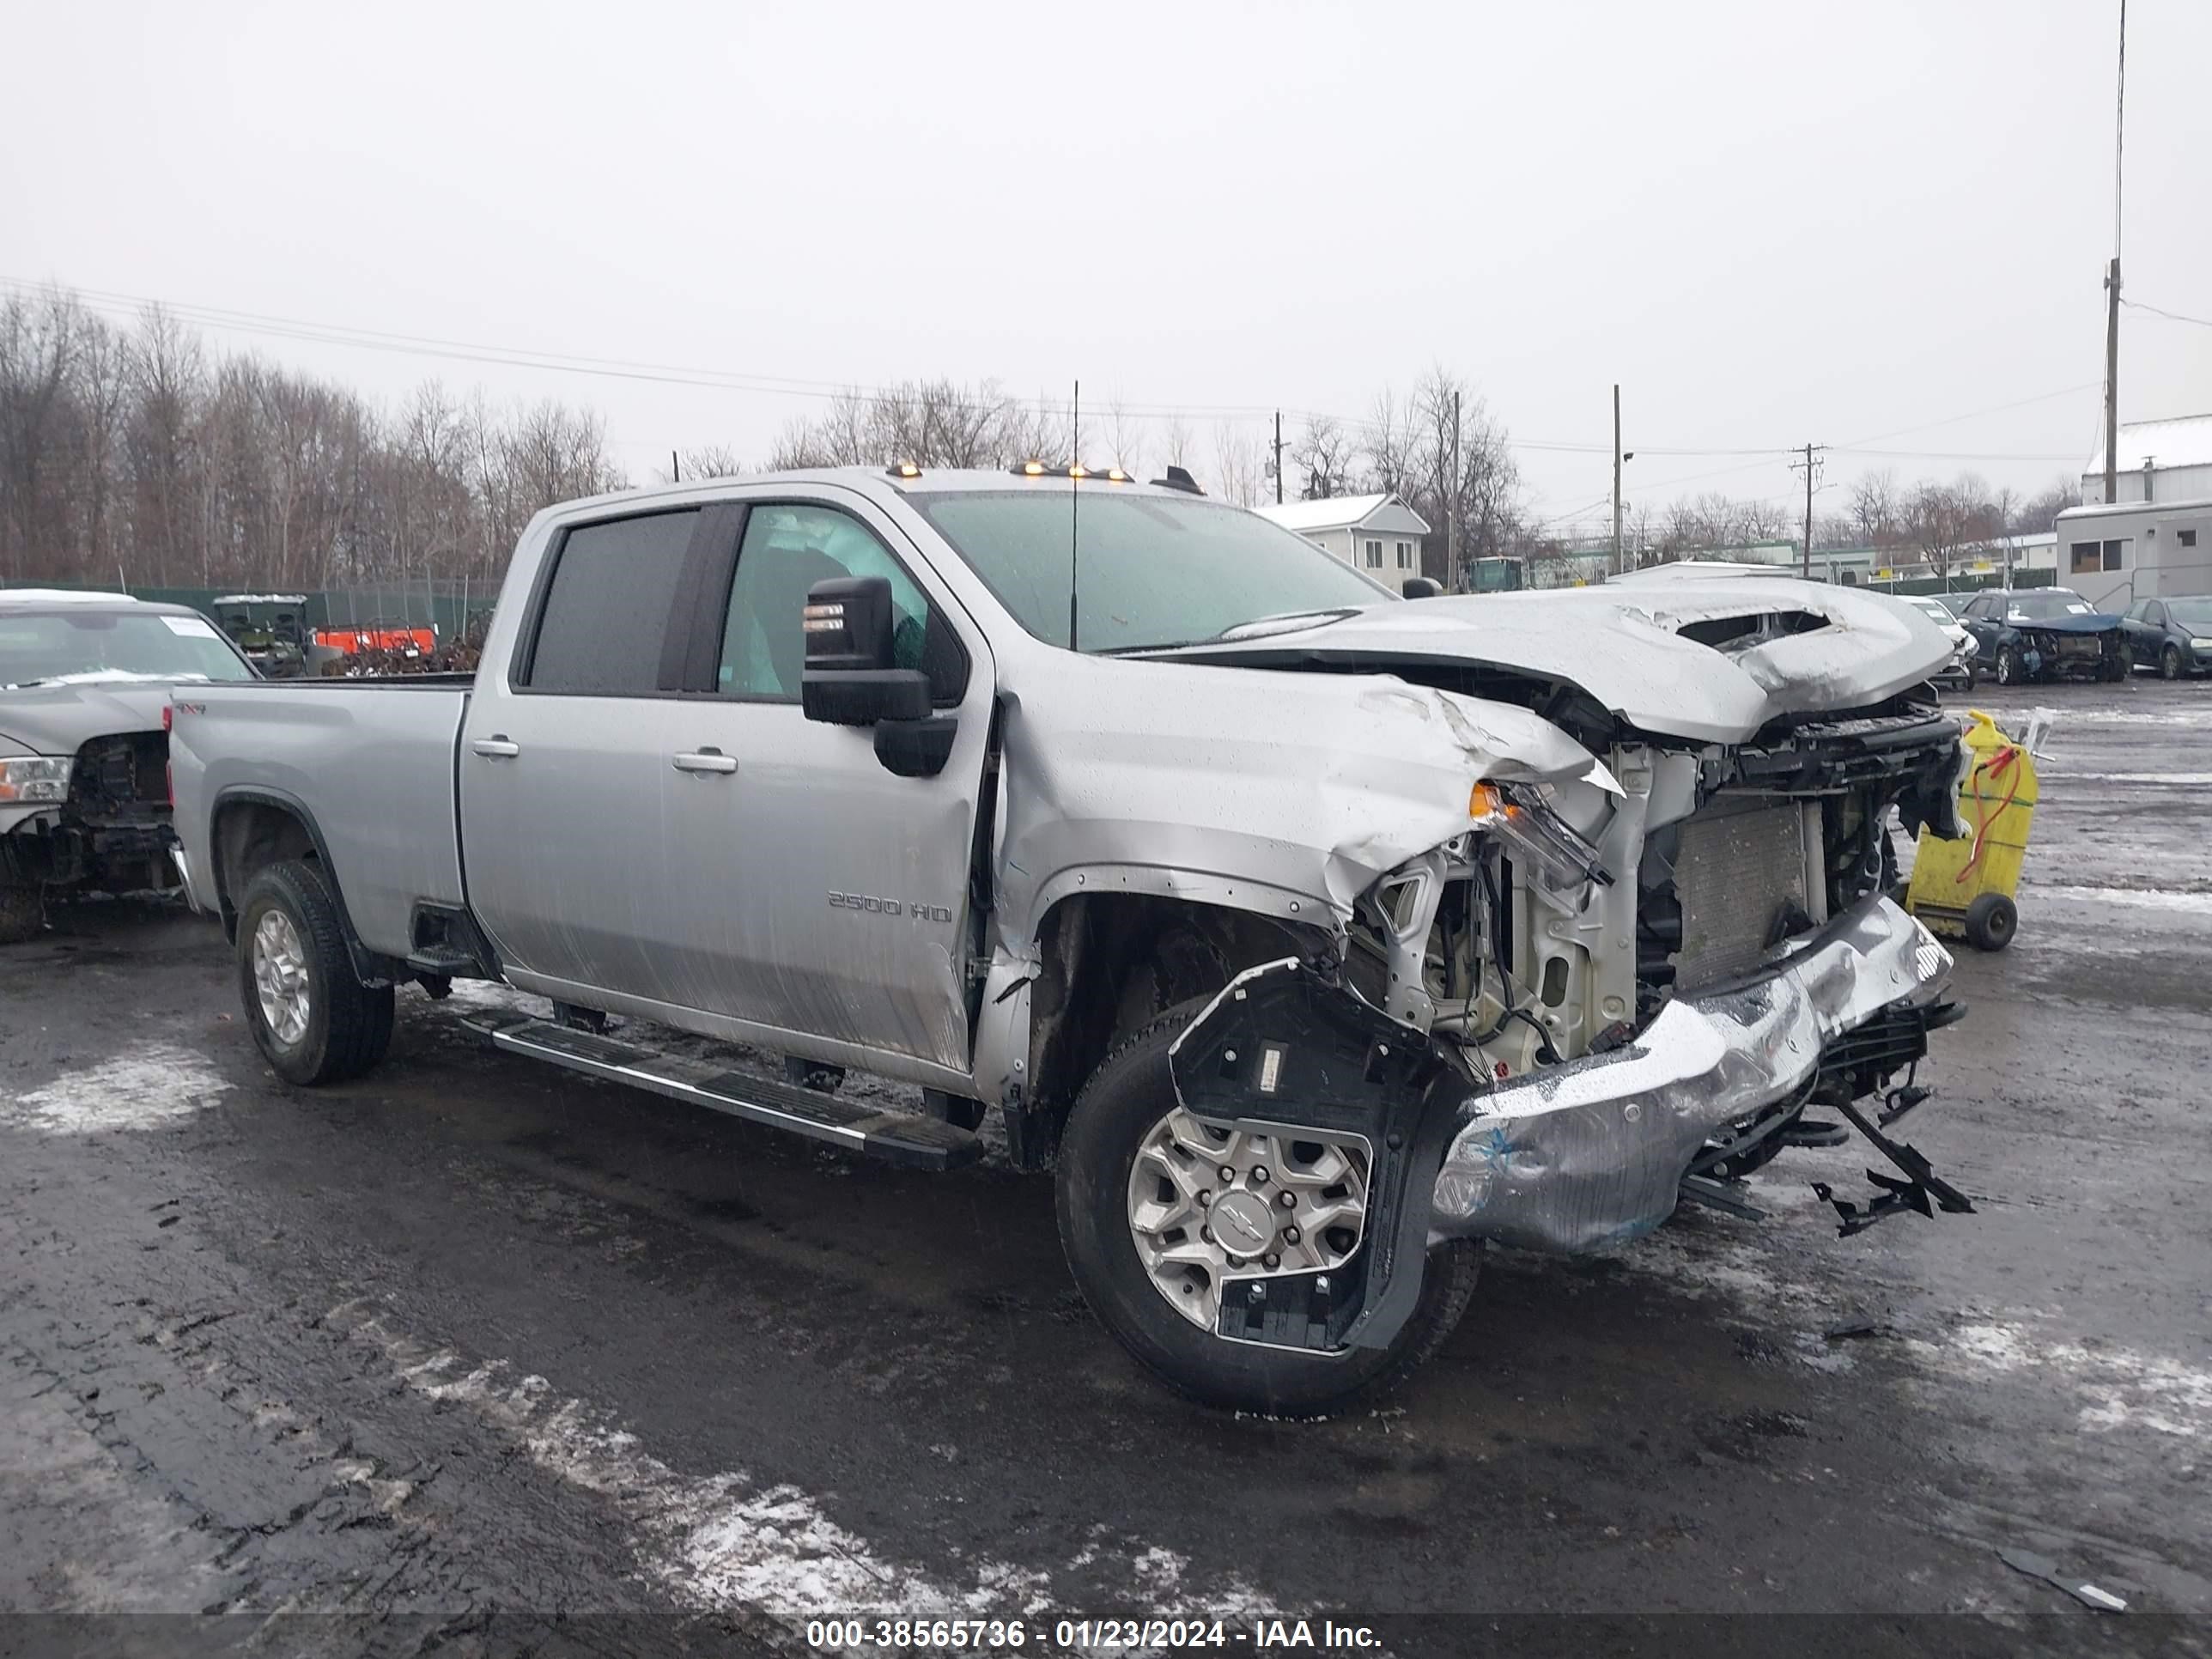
column 903, row 469
column 1030, row 470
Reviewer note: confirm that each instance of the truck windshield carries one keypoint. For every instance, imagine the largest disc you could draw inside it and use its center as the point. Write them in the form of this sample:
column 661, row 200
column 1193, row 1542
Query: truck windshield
column 1149, row 570
column 72, row 647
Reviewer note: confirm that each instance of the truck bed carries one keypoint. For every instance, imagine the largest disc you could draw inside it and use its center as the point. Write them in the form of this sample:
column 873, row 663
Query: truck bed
column 368, row 762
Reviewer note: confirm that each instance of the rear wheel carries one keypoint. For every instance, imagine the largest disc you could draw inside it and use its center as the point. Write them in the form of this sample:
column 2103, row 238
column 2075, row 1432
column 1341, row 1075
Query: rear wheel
column 2169, row 663
column 1991, row 921
column 1148, row 1199
column 22, row 911
column 313, row 1020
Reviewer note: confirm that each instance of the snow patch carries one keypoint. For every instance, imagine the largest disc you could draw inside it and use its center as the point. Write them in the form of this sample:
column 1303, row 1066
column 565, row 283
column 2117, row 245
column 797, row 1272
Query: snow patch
column 2123, row 1389
column 141, row 1088
column 724, row 1542
column 2198, row 904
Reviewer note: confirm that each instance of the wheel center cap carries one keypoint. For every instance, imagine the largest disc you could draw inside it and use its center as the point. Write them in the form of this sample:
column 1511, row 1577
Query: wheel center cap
column 1242, row 1222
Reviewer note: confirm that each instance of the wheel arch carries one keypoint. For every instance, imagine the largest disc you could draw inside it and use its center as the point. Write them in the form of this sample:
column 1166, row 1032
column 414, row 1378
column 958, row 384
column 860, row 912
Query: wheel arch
column 251, row 827
column 1108, row 961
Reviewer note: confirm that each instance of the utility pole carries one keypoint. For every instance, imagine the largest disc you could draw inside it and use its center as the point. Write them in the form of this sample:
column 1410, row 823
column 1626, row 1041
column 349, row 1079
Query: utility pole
column 1812, row 465
column 1616, row 478
column 2112, row 279
column 675, row 468
column 1278, row 457
column 1451, row 507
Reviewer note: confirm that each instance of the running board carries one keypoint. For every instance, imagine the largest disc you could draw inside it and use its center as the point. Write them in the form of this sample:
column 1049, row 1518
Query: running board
column 905, row 1138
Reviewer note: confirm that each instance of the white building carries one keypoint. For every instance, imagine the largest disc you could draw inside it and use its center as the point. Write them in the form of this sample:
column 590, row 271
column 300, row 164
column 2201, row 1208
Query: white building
column 1378, row 534
column 2159, row 461
column 2114, row 555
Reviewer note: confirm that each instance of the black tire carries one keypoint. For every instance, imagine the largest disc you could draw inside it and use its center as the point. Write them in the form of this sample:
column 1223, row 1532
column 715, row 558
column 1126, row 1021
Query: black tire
column 348, row 1025
column 813, row 1074
column 2012, row 667
column 22, row 911
column 1971, row 677
column 1991, row 921
column 2169, row 663
column 1123, row 1099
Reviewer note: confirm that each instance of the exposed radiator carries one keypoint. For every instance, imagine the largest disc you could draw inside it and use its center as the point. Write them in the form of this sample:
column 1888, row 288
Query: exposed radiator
column 1737, row 868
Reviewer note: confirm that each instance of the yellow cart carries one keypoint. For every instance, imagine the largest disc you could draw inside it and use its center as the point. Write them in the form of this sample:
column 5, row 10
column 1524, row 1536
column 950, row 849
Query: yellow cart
column 1965, row 888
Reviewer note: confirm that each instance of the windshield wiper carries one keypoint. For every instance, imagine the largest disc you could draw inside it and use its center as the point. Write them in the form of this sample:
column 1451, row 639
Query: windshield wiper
column 1288, row 622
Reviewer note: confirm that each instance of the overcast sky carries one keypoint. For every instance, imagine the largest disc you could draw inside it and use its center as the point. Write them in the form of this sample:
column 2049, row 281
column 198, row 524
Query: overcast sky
column 1770, row 222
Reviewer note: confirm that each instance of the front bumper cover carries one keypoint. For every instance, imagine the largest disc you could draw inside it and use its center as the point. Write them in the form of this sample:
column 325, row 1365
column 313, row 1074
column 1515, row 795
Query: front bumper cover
column 1592, row 1154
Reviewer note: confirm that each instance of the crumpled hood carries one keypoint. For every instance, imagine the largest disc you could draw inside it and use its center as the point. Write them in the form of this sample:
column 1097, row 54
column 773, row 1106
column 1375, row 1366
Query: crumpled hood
column 1260, row 790
column 2098, row 622
column 1623, row 646
column 55, row 720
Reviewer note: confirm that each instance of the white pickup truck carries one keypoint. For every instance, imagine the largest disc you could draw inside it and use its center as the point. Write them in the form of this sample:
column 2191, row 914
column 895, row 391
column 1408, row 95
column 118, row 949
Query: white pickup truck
column 1312, row 936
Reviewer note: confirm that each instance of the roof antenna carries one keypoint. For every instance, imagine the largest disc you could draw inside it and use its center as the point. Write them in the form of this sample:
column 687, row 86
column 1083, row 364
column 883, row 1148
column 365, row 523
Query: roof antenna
column 1074, row 490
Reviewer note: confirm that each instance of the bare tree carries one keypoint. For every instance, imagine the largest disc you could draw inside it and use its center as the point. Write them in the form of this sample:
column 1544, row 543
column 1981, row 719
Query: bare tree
column 1327, row 455
column 1237, row 465
column 1177, row 443
column 1874, row 509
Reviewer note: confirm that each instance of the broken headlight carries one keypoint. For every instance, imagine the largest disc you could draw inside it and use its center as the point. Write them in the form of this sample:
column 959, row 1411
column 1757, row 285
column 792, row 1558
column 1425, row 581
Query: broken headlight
column 1521, row 816
column 34, row 778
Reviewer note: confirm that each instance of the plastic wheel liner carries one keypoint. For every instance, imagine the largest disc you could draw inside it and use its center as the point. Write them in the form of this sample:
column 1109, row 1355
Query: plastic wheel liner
column 1571, row 1158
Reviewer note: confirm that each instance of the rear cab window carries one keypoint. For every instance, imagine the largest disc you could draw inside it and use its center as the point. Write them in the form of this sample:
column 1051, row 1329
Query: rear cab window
column 609, row 604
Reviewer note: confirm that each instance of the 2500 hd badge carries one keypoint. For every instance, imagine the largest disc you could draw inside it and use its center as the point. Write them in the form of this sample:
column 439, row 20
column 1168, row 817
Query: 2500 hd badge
column 874, row 906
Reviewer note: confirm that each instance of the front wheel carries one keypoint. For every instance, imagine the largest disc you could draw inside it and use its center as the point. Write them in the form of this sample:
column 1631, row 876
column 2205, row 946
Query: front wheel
column 2169, row 663
column 2012, row 667
column 314, row 1021
column 1157, row 1208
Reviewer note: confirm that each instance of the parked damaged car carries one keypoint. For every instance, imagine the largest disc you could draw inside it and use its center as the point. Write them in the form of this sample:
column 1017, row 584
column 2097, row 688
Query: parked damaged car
column 1313, row 937
column 1960, row 672
column 2173, row 636
column 84, row 798
column 2024, row 633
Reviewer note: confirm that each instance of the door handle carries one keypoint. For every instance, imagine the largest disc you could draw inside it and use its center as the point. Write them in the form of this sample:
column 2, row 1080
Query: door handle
column 496, row 747
column 706, row 760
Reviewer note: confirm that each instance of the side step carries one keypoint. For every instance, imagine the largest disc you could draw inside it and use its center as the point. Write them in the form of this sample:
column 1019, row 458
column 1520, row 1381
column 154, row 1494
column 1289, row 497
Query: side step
column 905, row 1138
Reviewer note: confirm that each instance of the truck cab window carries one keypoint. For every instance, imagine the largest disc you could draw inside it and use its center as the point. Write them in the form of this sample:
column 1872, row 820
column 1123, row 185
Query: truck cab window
column 608, row 605
column 789, row 547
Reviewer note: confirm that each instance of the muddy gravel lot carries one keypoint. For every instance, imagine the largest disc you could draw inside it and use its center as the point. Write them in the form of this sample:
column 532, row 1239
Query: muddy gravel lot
column 471, row 1355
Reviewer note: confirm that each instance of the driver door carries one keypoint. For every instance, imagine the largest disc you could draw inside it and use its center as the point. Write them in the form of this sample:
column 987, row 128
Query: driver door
column 827, row 898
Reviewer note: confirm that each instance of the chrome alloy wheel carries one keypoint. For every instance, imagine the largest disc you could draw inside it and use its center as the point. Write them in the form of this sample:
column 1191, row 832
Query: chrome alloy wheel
column 279, row 977
column 1209, row 1200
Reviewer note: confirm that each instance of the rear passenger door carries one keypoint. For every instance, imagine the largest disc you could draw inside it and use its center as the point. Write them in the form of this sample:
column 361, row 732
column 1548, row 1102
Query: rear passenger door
column 562, row 756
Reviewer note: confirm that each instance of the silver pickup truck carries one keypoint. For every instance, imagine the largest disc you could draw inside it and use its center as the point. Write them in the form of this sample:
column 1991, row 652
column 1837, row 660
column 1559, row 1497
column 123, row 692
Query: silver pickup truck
column 1312, row 937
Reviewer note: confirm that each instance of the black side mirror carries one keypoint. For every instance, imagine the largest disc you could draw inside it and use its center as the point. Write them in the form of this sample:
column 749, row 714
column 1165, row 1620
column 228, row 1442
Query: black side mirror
column 850, row 679
column 1420, row 587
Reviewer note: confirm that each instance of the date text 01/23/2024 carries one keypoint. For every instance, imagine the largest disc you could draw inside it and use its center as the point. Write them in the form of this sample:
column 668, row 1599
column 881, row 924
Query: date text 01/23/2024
column 1083, row 1635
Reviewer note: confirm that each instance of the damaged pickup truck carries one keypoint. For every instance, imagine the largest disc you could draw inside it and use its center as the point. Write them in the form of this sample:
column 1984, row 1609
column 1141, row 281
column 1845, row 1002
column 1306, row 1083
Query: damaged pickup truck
column 1312, row 937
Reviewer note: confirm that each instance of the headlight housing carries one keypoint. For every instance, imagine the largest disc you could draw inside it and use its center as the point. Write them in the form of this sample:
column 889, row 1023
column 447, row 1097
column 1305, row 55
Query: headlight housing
column 34, row 778
column 1523, row 817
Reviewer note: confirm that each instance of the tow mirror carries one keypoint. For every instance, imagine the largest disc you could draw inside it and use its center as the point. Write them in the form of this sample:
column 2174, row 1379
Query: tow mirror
column 850, row 677
column 1420, row 587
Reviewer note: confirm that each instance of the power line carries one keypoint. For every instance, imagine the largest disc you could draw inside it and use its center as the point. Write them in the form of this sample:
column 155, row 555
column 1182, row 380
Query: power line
column 279, row 327
column 2171, row 316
